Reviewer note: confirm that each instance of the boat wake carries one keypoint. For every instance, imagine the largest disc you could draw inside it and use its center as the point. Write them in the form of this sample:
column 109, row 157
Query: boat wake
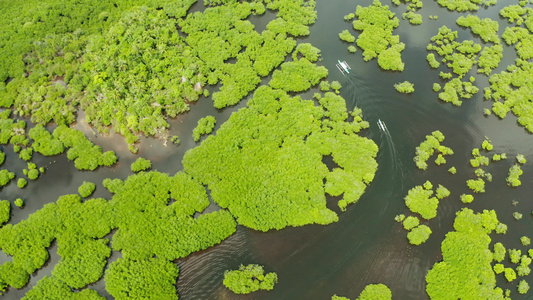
column 389, row 156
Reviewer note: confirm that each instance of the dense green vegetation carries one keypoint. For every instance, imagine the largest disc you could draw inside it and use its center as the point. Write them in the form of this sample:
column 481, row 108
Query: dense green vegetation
column 523, row 287
column 249, row 278
column 5, row 210
column 141, row 164
column 157, row 277
column 487, row 29
column 376, row 23
column 428, row 147
column 205, row 126
column 346, row 36
column 79, row 228
column 410, row 14
column 22, row 182
column 410, row 222
column 128, row 67
column 419, row 200
column 466, row 260
column 19, row 202
column 404, row 87
column 298, row 75
column 81, row 150
column 270, row 145
column 371, row 292
column 466, row 198
column 514, row 174
column 465, row 5
column 52, row 288
column 419, row 234
column 86, row 189
column 461, row 57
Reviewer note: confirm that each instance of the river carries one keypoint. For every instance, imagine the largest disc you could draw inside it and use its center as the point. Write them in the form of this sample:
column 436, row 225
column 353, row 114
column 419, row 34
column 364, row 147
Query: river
column 366, row 245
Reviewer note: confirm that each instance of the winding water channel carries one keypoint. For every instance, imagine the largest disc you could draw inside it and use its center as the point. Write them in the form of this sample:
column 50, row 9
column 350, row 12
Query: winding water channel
column 366, row 245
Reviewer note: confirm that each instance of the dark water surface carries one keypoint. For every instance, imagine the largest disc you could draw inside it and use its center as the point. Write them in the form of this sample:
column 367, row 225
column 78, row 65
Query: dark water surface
column 366, row 245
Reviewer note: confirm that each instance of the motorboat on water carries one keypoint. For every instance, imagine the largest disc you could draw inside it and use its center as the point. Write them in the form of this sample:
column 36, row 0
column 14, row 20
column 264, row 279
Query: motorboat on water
column 343, row 66
column 382, row 125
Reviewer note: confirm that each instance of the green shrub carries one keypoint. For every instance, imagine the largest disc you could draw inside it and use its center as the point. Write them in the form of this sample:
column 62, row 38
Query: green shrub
column 19, row 202
column 404, row 87
column 427, row 148
column 466, row 259
column 346, row 36
column 510, row 274
column 22, row 182
column 26, row 154
column 5, row 210
column 515, row 255
column 442, row 192
column 399, row 218
column 514, row 174
column 141, row 164
column 33, row 174
column 477, row 185
column 5, row 177
column 525, row 241
column 452, row 170
column 418, row 200
column 523, row 287
column 375, row 292
column 249, row 278
column 158, row 277
column 419, row 234
column 410, row 222
column 499, row 252
column 498, row 268
column 467, row 198
column 52, row 288
column 86, row 189
column 385, row 46
column 205, row 126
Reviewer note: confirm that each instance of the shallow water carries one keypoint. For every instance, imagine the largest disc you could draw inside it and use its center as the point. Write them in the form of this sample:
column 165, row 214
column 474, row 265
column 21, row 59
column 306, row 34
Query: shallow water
column 366, row 245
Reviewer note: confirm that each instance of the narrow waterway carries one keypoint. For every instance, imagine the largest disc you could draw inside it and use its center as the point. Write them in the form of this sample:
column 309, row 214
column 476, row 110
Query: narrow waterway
column 366, row 245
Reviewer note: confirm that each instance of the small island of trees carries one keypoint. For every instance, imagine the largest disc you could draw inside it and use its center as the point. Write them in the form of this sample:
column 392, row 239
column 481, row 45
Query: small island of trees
column 249, row 278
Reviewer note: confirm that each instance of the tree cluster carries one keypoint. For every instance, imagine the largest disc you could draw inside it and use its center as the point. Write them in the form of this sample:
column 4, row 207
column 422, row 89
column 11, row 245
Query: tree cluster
column 86, row 189
column 141, row 164
column 249, row 278
column 466, row 268
column 465, row 5
column 428, row 147
column 371, row 292
column 405, row 87
column 376, row 23
column 257, row 165
column 205, row 126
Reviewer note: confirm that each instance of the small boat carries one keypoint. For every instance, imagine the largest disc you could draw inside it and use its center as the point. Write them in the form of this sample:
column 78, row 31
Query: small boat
column 343, row 66
column 382, row 125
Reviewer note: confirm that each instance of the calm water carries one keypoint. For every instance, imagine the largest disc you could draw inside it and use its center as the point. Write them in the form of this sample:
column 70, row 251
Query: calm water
column 366, row 245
